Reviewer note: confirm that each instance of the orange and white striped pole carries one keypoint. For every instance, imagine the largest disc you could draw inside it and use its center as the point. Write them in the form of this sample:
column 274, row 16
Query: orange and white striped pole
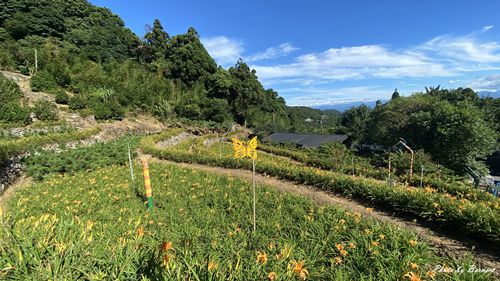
column 147, row 183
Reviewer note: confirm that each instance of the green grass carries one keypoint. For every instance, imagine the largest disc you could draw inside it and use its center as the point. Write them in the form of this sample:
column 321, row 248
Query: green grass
column 94, row 226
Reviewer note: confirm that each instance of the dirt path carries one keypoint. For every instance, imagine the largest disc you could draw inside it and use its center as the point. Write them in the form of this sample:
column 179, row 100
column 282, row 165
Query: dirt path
column 9, row 192
column 445, row 245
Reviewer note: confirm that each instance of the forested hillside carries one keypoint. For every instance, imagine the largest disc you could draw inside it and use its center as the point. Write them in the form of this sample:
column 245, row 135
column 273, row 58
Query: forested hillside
column 86, row 50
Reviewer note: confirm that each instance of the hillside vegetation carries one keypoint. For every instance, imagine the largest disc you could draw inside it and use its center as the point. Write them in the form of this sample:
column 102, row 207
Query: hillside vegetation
column 90, row 61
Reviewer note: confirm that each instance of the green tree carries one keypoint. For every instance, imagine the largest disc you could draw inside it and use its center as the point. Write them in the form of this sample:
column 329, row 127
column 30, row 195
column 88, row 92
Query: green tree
column 355, row 120
column 453, row 134
column 247, row 92
column 395, row 95
column 155, row 43
column 220, row 84
column 188, row 60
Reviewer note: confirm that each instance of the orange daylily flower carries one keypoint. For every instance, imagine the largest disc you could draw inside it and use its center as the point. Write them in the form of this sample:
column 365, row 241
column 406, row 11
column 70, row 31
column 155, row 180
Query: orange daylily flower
column 299, row 269
column 261, row 258
column 140, row 231
column 212, row 265
column 166, row 246
column 412, row 276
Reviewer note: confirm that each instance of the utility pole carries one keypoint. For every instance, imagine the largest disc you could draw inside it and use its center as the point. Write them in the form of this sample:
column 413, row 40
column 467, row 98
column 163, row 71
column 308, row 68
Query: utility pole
column 36, row 61
column 421, row 175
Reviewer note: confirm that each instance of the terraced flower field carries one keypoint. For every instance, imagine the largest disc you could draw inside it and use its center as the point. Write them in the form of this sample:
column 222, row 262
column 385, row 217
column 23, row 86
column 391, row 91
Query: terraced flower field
column 446, row 183
column 94, row 226
column 469, row 213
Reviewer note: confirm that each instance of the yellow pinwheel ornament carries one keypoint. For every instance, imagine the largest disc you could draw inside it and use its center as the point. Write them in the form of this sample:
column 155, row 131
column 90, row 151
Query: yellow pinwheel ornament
column 249, row 150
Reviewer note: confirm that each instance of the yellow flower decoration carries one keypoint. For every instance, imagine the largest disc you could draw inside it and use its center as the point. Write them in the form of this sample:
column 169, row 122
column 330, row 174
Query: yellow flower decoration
column 241, row 150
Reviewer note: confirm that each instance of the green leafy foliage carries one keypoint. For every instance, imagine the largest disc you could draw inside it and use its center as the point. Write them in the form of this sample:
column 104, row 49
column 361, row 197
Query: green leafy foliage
column 43, row 81
column 453, row 133
column 354, row 120
column 61, row 97
column 10, row 107
column 46, row 110
column 107, row 110
column 188, row 60
column 77, row 102
column 14, row 113
column 308, row 120
column 164, row 111
column 82, row 48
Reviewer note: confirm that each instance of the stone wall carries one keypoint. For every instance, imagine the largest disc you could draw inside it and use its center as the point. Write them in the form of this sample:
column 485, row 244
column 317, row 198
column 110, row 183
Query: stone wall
column 10, row 170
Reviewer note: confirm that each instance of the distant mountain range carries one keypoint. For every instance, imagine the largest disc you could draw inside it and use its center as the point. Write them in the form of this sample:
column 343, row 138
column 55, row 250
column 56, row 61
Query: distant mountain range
column 489, row 94
column 346, row 105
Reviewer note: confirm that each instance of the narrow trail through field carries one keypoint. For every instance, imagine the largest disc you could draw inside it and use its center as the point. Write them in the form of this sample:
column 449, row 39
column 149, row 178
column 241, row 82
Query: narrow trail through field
column 8, row 193
column 446, row 246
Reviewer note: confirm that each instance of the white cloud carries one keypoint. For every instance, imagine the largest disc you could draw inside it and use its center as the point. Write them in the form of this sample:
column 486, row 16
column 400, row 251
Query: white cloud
column 489, row 83
column 322, row 96
column 223, row 49
column 313, row 78
column 369, row 61
column 273, row 52
column 486, row 28
column 463, row 48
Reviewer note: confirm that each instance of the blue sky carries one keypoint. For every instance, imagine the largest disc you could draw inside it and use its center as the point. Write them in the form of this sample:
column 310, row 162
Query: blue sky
column 330, row 52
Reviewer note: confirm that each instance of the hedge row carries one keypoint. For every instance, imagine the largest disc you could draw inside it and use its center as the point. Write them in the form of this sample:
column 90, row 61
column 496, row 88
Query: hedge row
column 10, row 148
column 455, row 188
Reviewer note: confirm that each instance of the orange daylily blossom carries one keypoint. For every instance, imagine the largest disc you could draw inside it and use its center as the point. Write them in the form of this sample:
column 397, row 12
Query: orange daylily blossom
column 299, row 269
column 212, row 265
column 140, row 231
column 166, row 246
column 261, row 258
column 431, row 274
column 412, row 276
column 271, row 276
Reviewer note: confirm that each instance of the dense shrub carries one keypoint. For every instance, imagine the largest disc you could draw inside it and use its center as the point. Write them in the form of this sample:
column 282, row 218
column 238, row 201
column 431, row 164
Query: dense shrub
column 61, row 97
column 9, row 91
column 42, row 82
column 6, row 61
column 164, row 110
column 14, row 113
column 77, row 102
column 10, row 108
column 107, row 110
column 45, row 110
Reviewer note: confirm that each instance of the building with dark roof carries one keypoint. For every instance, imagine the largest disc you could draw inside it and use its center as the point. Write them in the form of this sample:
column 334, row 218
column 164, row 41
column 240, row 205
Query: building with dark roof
column 306, row 140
